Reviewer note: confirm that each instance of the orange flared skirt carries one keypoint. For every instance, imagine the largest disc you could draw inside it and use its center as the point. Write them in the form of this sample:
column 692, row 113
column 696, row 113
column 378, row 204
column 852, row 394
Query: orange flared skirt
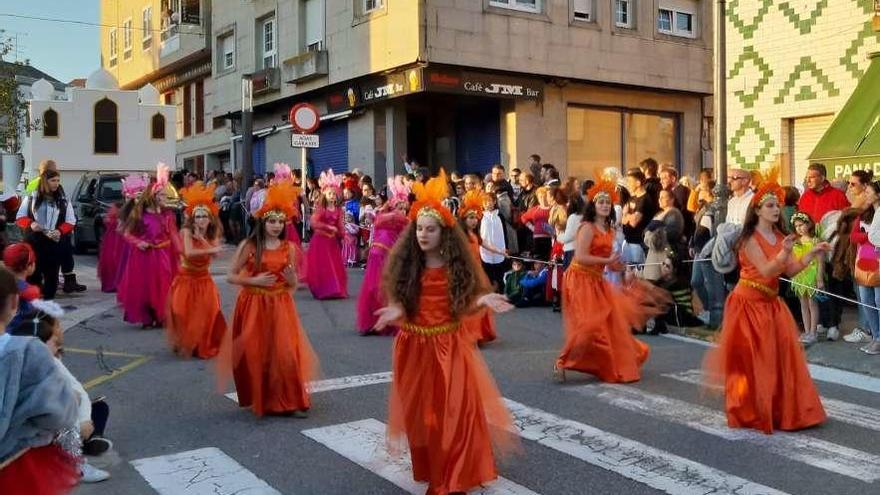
column 598, row 319
column 196, row 324
column 762, row 367
column 444, row 401
column 272, row 359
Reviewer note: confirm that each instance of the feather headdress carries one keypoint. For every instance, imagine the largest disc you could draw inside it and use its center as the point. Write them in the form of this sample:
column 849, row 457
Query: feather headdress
column 605, row 185
column 429, row 200
column 328, row 179
column 398, row 191
column 200, row 197
column 163, row 172
column 282, row 172
column 280, row 199
column 472, row 204
column 134, row 184
column 768, row 187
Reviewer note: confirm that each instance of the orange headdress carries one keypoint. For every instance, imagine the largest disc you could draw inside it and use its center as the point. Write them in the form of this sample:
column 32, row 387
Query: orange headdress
column 199, row 197
column 429, row 200
column 472, row 204
column 280, row 198
column 605, row 185
column 768, row 187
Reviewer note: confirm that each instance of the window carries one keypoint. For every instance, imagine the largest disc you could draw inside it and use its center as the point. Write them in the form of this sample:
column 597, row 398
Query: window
column 270, row 49
column 314, row 25
column 200, row 106
column 523, row 5
column 582, row 10
column 187, row 110
column 599, row 138
column 147, row 28
column 226, row 51
column 106, row 130
column 157, row 127
column 676, row 23
column 50, row 123
column 623, row 13
column 372, row 5
column 126, row 39
column 218, row 122
column 114, row 47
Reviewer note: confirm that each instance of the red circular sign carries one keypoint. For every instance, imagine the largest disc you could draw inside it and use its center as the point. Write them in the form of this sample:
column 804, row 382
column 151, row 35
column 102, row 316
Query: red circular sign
column 304, row 118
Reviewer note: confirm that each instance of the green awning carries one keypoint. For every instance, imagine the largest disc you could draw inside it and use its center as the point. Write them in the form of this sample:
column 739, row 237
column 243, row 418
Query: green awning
column 853, row 140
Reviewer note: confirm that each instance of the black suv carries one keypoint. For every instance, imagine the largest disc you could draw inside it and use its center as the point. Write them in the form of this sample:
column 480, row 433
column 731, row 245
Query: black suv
column 93, row 196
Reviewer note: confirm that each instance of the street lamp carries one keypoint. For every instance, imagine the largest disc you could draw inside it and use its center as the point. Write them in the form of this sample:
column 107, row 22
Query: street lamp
column 247, row 130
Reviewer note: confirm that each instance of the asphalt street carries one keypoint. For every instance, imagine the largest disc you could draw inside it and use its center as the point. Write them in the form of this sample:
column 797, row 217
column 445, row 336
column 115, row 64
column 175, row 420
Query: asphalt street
column 174, row 433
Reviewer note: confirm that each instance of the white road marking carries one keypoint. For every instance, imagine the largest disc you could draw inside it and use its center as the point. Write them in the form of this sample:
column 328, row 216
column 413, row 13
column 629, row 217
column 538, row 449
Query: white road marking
column 821, row 373
column 795, row 446
column 363, row 442
column 845, row 412
column 205, row 471
column 653, row 467
column 341, row 383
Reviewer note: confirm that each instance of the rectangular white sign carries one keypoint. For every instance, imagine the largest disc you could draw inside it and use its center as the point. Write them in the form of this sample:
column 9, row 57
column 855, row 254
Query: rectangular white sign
column 304, row 140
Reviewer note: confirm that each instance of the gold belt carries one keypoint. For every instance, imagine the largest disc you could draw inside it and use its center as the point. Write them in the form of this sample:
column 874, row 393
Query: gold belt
column 263, row 291
column 588, row 269
column 190, row 268
column 431, row 330
column 767, row 290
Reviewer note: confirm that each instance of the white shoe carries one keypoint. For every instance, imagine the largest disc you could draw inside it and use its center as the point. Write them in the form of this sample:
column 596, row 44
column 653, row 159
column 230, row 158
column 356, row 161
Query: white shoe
column 704, row 317
column 809, row 339
column 91, row 474
column 820, row 330
column 857, row 336
column 833, row 334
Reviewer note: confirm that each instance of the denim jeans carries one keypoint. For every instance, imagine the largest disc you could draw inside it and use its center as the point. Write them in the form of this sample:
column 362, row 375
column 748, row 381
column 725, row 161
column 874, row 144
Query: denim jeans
column 863, row 311
column 709, row 283
column 871, row 297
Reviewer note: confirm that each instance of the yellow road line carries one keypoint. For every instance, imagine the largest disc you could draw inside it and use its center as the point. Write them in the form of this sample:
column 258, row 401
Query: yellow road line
column 106, row 353
column 116, row 373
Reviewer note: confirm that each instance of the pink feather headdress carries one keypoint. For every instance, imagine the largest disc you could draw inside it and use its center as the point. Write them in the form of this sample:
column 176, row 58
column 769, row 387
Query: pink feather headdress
column 282, row 172
column 329, row 179
column 398, row 190
column 163, row 172
column 134, row 184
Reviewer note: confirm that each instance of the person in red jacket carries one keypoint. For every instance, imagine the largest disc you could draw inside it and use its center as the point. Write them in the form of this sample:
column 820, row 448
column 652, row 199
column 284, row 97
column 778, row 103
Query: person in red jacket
column 820, row 197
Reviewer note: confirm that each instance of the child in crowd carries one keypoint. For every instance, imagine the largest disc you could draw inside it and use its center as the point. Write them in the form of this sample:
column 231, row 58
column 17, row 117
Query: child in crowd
column 350, row 240
column 534, row 286
column 675, row 280
column 493, row 247
column 21, row 260
column 368, row 216
column 810, row 278
column 513, row 281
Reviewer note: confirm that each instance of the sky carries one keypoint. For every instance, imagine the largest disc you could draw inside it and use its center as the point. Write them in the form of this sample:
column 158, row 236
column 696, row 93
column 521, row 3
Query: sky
column 64, row 51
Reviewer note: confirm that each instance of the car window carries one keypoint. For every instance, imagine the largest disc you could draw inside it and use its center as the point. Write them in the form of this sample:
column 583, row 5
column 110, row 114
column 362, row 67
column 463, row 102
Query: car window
column 88, row 192
column 111, row 190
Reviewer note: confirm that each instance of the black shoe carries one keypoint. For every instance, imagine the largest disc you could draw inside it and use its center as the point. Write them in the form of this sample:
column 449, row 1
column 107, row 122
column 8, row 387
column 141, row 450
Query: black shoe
column 70, row 284
column 96, row 446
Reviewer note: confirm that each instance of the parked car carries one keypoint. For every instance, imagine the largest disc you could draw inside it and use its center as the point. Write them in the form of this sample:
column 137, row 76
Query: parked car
column 92, row 198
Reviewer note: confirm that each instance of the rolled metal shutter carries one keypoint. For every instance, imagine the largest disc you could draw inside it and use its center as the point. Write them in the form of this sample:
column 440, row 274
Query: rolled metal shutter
column 806, row 133
column 333, row 150
column 259, row 156
column 478, row 137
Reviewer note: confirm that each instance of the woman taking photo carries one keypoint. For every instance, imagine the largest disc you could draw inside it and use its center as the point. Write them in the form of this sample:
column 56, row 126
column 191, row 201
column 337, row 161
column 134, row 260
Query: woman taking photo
column 47, row 219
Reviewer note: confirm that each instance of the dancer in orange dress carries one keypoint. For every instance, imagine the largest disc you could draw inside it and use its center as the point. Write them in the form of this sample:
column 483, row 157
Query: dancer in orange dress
column 471, row 212
column 759, row 360
column 597, row 316
column 195, row 320
column 442, row 397
column 271, row 358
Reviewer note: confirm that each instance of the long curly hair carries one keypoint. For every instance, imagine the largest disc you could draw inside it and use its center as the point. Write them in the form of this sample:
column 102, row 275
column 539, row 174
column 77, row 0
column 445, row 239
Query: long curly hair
column 402, row 277
column 134, row 220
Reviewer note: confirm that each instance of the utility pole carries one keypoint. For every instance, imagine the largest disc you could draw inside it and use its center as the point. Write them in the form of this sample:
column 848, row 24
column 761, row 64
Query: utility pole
column 247, row 131
column 720, row 100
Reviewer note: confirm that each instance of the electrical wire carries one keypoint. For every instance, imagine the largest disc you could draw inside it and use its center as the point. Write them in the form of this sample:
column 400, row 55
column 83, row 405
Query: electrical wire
column 86, row 23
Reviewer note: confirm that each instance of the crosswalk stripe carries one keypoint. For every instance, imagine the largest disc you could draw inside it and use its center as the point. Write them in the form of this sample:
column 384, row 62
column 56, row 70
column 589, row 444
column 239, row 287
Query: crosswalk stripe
column 363, row 442
column 341, row 383
column 818, row 372
column 656, row 468
column 205, row 471
column 845, row 412
column 796, row 446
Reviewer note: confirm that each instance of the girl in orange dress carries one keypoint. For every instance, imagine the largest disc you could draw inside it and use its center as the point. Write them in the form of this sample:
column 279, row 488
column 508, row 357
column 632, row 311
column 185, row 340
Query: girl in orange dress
column 442, row 396
column 597, row 316
column 196, row 324
column 759, row 360
column 471, row 212
column 272, row 360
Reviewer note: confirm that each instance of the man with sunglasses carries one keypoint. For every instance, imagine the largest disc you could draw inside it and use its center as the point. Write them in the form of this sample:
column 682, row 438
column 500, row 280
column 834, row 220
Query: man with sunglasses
column 739, row 182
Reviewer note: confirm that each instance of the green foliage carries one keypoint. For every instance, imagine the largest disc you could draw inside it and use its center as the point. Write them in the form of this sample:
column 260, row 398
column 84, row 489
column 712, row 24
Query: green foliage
column 13, row 109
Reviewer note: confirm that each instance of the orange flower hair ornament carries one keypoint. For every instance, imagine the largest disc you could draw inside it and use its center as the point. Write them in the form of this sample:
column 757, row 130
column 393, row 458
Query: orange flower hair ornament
column 604, row 187
column 472, row 204
column 768, row 187
column 199, row 197
column 279, row 203
column 429, row 200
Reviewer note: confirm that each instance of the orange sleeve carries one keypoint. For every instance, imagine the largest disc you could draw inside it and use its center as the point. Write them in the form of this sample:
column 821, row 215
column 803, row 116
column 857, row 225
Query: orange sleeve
column 693, row 201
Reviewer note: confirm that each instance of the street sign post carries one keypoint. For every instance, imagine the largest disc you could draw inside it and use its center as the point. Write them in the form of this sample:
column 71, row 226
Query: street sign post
column 304, row 140
column 304, row 119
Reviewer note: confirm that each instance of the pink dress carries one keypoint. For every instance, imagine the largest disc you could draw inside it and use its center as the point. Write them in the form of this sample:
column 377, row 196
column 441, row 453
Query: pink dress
column 386, row 230
column 328, row 279
column 109, row 252
column 149, row 272
column 350, row 244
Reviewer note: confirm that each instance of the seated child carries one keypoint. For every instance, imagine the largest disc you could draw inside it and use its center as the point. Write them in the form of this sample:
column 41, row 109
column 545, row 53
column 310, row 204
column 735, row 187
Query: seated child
column 512, row 286
column 534, row 286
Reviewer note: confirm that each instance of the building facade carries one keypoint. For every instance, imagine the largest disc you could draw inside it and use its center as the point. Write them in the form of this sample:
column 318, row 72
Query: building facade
column 463, row 85
column 791, row 68
column 167, row 43
column 98, row 128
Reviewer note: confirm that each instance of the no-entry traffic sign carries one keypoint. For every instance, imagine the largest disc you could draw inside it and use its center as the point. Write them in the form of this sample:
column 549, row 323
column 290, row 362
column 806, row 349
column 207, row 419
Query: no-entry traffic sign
column 304, row 118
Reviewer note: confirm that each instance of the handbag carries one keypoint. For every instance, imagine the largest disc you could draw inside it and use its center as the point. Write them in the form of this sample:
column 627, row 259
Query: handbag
column 867, row 269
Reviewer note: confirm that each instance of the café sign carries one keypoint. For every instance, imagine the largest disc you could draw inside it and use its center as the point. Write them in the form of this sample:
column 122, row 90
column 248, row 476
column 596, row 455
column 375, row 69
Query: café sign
column 475, row 83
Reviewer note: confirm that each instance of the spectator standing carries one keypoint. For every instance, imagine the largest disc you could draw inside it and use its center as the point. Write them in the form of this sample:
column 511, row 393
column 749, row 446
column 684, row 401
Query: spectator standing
column 534, row 166
column 856, row 189
column 867, row 261
column 537, row 220
column 637, row 213
column 650, row 168
column 738, row 181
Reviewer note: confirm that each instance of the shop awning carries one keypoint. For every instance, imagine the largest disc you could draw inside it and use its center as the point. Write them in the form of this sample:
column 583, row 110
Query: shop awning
column 853, row 140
